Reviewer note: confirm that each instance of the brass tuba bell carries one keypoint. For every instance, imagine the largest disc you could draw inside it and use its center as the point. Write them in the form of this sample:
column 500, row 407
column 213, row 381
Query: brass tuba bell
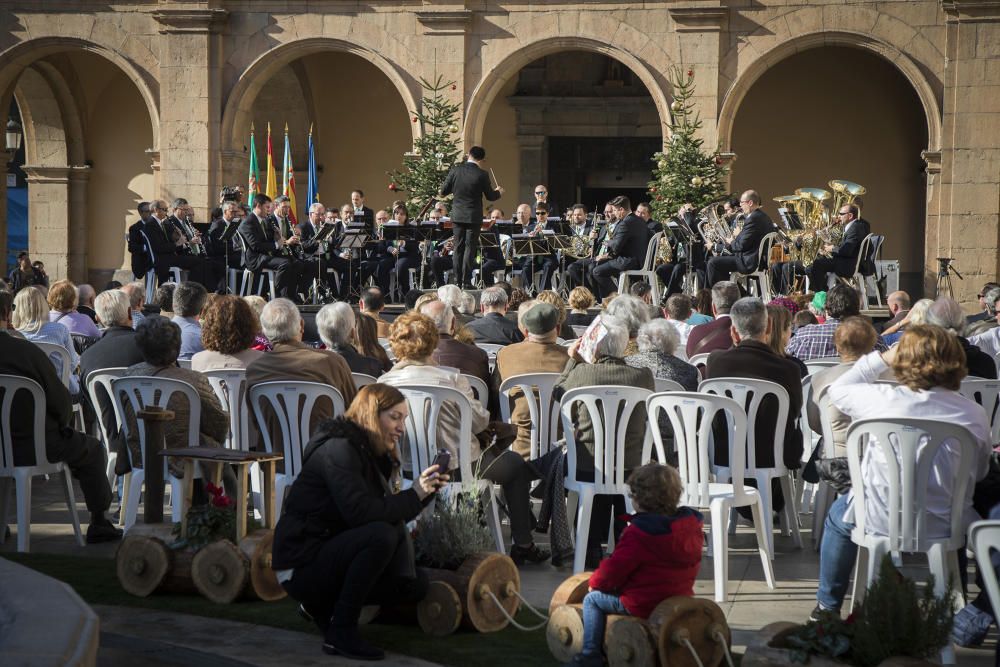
column 845, row 192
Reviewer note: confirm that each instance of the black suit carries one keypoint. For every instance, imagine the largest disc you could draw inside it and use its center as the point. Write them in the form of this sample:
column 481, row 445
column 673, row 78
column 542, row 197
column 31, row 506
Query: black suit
column 469, row 184
column 745, row 249
column 627, row 248
column 167, row 253
column 496, row 329
column 578, row 272
column 366, row 216
column 844, row 257
column 137, row 249
column 671, row 274
column 291, row 276
column 312, row 250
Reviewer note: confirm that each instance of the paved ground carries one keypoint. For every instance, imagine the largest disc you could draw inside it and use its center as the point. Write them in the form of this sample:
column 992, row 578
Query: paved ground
column 156, row 638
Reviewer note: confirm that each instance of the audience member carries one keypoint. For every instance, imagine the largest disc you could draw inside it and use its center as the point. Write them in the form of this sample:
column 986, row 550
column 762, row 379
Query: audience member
column 553, row 299
column 189, row 300
column 63, row 301
column 517, row 297
column 493, row 327
column 986, row 306
column 228, row 326
column 580, row 300
column 25, row 274
column 803, row 318
column 31, row 319
column 260, row 341
column 644, row 291
column 85, row 296
column 780, row 331
column 631, row 312
column 989, row 340
column 678, row 314
column 136, row 294
column 898, row 304
column 453, row 296
column 372, row 303
column 425, row 298
column 947, row 314
column 715, row 335
column 465, row 358
column 816, row 341
column 6, row 309
column 702, row 307
column 657, row 344
column 410, row 300
column 369, row 345
column 337, row 326
column 164, row 299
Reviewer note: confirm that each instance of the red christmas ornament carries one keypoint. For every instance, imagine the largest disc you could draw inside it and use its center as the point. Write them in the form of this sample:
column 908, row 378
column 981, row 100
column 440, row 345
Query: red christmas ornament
column 454, row 87
column 718, row 160
column 415, row 119
column 690, row 72
column 392, row 187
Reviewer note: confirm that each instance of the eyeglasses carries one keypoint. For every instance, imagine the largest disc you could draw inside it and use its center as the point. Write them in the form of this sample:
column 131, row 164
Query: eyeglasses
column 843, row 213
column 744, row 201
column 541, row 212
column 540, row 192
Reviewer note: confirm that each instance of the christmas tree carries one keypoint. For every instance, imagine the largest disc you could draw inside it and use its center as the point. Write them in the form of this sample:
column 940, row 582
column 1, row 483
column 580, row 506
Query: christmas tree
column 684, row 173
column 434, row 153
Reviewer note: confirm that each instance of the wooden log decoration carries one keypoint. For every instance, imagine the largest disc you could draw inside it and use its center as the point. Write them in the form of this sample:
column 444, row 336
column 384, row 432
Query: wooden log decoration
column 628, row 642
column 263, row 583
column 695, row 619
column 220, row 571
column 144, row 563
column 478, row 576
column 571, row 591
column 440, row 612
column 564, row 632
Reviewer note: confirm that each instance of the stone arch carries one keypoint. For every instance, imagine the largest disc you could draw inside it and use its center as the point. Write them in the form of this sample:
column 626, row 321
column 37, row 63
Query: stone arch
column 489, row 87
column 240, row 100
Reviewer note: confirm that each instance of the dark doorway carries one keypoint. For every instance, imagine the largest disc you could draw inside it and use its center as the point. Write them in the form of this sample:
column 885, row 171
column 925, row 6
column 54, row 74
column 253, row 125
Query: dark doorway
column 592, row 170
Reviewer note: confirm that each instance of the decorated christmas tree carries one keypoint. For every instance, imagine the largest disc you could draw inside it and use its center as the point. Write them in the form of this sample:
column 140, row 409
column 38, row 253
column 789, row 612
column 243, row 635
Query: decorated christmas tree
column 434, row 153
column 684, row 172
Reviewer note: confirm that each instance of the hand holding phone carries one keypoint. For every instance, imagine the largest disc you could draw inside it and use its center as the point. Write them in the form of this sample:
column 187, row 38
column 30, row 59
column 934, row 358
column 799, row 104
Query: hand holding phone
column 442, row 461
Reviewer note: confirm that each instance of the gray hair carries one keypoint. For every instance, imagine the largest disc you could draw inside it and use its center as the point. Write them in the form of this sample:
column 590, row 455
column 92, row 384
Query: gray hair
column 990, row 298
column 440, row 313
column 615, row 342
column 113, row 308
column 658, row 335
column 229, row 205
column 281, row 321
column 918, row 313
column 85, row 293
column 947, row 314
column 189, row 299
column 631, row 311
column 451, row 295
column 725, row 294
column 749, row 316
column 180, row 202
column 315, row 206
column 493, row 297
column 335, row 324
column 468, row 306
column 136, row 293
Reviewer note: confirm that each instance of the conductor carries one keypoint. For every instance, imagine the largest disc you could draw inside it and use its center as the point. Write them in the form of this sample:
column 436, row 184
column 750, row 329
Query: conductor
column 469, row 183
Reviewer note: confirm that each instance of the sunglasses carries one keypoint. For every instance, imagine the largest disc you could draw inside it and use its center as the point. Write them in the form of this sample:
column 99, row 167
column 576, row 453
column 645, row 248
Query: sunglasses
column 540, row 192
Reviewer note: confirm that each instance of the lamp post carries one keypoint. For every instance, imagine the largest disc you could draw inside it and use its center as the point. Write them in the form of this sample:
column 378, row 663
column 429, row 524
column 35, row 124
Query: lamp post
column 14, row 136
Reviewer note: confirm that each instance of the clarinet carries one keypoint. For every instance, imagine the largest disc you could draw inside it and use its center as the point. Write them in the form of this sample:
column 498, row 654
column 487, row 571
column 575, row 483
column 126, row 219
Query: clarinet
column 188, row 230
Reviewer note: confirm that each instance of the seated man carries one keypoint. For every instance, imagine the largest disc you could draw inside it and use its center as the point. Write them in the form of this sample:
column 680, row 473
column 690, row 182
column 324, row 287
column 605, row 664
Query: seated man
column 189, row 300
column 170, row 247
column 546, row 264
column 371, row 304
column 266, row 248
column 746, row 245
column 493, row 326
column 815, row 341
column 376, row 260
column 715, row 335
column 335, row 323
column 468, row 359
column 625, row 250
column 843, row 258
column 83, row 454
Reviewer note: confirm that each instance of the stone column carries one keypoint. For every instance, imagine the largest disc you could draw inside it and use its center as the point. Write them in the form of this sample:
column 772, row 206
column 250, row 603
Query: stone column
column 701, row 27
column 57, row 219
column 190, row 102
column 534, row 165
column 443, row 48
column 970, row 152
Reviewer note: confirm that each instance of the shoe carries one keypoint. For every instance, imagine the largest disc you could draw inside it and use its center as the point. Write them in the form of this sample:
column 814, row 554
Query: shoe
column 819, row 613
column 531, row 554
column 347, row 642
column 971, row 626
column 582, row 660
column 311, row 617
column 104, row 531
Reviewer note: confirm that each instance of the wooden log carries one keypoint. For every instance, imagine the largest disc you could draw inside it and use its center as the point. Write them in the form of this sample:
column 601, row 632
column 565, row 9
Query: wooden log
column 220, row 571
column 145, row 563
column 440, row 612
column 696, row 620
column 564, row 632
column 628, row 642
column 477, row 577
column 571, row 591
column 263, row 583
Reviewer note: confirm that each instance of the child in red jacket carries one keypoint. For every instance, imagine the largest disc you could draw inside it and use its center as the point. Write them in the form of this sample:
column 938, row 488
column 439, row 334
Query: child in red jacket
column 657, row 557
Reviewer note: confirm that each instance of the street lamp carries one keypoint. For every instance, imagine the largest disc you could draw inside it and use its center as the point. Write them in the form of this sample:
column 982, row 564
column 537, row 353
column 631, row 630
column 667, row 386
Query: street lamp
column 14, row 135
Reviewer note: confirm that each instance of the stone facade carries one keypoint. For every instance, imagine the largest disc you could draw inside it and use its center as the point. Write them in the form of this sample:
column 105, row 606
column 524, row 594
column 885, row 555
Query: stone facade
column 198, row 67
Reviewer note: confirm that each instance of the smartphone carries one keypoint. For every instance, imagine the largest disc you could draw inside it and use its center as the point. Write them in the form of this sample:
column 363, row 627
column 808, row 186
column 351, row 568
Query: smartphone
column 442, row 460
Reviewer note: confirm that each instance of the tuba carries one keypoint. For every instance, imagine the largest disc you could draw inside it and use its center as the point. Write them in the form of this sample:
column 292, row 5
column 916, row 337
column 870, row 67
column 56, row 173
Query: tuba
column 845, row 192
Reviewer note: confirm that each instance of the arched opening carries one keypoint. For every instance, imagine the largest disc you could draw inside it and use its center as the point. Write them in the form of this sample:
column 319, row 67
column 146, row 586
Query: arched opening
column 840, row 112
column 581, row 122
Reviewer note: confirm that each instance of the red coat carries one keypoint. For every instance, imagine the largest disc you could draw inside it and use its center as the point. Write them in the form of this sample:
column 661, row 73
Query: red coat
column 656, row 558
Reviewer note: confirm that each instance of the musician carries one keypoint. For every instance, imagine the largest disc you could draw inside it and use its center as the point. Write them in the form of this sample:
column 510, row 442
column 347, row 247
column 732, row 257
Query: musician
column 360, row 212
column 671, row 274
column 214, row 268
column 168, row 245
column 314, row 253
column 652, row 226
column 542, row 197
column 469, row 184
column 492, row 256
column 264, row 250
column 746, row 244
column 406, row 250
column 216, row 247
column 841, row 259
column 136, row 244
column 579, row 271
column 547, row 264
column 375, row 258
column 624, row 249
column 282, row 216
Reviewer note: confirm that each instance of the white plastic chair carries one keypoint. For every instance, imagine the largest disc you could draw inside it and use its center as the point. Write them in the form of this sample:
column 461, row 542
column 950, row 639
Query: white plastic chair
column 699, row 361
column 425, row 403
column 663, row 384
column 984, row 536
column 292, row 404
column 363, row 379
column 761, row 276
column 610, row 407
column 248, row 275
column 58, row 353
column 98, row 382
column 537, row 391
column 141, row 391
column 22, row 475
column 646, row 271
column 987, row 394
column 918, row 442
column 825, row 495
column 479, row 389
column 691, row 415
column 750, row 393
column 819, row 363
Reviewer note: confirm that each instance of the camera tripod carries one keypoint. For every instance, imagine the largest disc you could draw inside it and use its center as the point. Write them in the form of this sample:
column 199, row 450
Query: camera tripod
column 945, row 269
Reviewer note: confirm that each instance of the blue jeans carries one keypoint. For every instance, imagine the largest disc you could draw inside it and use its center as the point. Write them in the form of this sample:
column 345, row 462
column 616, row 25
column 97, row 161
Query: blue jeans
column 837, row 554
column 596, row 607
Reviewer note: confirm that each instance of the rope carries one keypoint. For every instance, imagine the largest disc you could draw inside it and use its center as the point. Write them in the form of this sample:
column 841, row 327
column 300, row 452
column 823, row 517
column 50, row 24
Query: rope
column 694, row 654
column 510, row 618
column 718, row 636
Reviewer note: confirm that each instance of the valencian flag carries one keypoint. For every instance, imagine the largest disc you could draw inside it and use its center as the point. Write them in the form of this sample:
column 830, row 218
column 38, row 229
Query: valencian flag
column 312, row 196
column 253, row 187
column 288, row 180
column 272, row 180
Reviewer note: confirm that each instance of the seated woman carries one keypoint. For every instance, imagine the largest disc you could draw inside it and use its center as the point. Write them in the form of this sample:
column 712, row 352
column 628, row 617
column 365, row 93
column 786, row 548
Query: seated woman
column 366, row 329
column 260, row 341
column 657, row 341
column 609, row 367
column 336, row 325
column 341, row 541
column 780, row 333
column 929, row 364
column 580, row 299
column 63, row 299
column 228, row 330
column 413, row 338
column 632, row 312
column 31, row 319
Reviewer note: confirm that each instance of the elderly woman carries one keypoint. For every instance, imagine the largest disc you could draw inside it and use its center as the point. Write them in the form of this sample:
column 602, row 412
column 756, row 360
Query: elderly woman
column 632, row 312
column 63, row 301
column 413, row 338
column 337, row 327
column 609, row 367
column 947, row 314
column 260, row 341
column 228, row 329
column 580, row 300
column 657, row 342
column 31, row 319
column 929, row 364
column 917, row 315
column 341, row 541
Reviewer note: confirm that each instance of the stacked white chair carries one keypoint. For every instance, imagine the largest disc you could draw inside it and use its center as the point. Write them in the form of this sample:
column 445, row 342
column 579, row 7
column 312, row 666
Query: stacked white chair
column 987, row 394
column 99, row 382
column 479, row 389
column 537, row 390
column 984, row 536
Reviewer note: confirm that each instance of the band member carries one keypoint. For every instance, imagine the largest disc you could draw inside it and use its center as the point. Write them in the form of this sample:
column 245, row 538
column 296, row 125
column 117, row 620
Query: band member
column 217, row 248
column 746, row 245
column 652, row 226
column 444, row 255
column 469, row 184
column 578, row 272
column 375, row 257
column 214, row 269
column 624, row 250
column 359, row 211
column 542, row 197
column 169, row 245
column 843, row 258
column 266, row 248
column 671, row 274
column 318, row 254
column 406, row 250
column 493, row 259
column 547, row 264
column 136, row 244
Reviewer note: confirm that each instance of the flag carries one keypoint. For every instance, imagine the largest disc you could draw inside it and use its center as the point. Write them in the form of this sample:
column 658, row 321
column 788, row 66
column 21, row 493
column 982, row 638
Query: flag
column 253, row 188
column 272, row 182
column 288, row 180
column 312, row 195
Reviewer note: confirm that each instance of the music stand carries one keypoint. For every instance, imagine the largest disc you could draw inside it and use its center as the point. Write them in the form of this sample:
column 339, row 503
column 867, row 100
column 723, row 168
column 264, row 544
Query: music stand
column 226, row 239
column 687, row 238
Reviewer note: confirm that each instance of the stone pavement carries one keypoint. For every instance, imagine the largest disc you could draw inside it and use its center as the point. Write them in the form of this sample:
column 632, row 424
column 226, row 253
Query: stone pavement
column 170, row 639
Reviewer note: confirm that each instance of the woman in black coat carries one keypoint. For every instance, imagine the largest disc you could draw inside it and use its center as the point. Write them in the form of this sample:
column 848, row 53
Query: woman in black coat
column 341, row 541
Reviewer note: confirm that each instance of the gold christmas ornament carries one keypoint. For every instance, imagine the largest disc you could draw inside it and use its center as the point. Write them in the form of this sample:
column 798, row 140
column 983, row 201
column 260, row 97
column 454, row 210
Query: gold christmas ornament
column 676, row 105
column 696, row 181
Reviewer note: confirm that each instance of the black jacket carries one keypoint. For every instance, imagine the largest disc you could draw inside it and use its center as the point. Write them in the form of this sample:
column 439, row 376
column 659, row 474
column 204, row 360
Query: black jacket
column 358, row 362
column 846, row 254
column 629, row 241
column 496, row 329
column 469, row 184
column 159, row 242
column 342, row 485
column 260, row 241
column 746, row 246
column 978, row 363
column 137, row 249
column 116, row 349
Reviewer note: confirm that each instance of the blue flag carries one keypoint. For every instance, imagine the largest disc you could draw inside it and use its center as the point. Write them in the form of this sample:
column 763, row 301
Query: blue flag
column 312, row 195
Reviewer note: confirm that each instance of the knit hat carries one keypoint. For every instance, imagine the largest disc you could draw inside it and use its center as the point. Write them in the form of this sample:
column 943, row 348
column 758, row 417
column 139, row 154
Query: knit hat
column 541, row 318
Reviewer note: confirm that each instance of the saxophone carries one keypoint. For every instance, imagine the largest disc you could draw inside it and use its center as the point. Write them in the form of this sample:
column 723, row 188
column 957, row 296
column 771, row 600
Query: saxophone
column 664, row 253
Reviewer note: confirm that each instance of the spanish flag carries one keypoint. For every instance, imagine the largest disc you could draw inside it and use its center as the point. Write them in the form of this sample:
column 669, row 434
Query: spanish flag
column 272, row 179
column 288, row 180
